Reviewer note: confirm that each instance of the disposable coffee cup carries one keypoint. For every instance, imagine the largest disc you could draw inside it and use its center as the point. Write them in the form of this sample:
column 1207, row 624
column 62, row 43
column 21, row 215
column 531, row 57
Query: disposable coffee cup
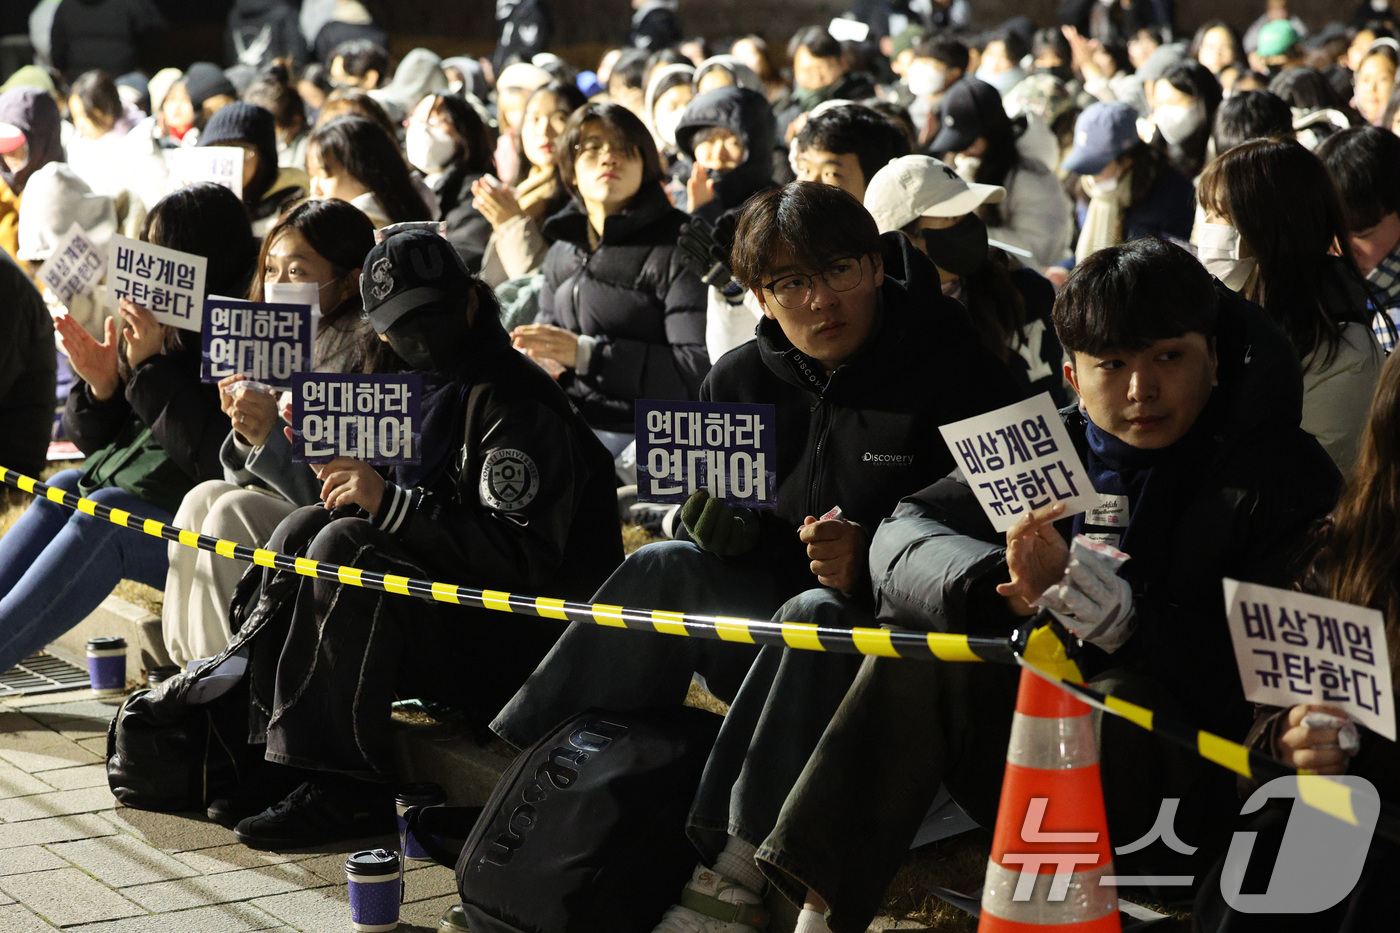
column 106, row 659
column 416, row 795
column 159, row 675
column 375, row 878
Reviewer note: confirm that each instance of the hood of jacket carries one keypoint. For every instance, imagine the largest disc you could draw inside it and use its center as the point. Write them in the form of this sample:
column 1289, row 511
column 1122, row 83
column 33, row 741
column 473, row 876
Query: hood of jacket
column 652, row 6
column 473, row 78
column 648, row 206
column 35, row 113
column 671, row 76
column 743, row 75
column 55, row 201
column 418, row 75
column 746, row 114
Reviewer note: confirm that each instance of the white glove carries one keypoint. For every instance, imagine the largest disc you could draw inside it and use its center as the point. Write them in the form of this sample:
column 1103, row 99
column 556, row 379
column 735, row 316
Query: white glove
column 1091, row 600
column 1348, row 739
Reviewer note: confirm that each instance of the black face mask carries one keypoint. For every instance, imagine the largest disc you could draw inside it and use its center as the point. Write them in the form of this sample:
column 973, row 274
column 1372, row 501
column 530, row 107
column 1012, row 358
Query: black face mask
column 960, row 249
column 430, row 340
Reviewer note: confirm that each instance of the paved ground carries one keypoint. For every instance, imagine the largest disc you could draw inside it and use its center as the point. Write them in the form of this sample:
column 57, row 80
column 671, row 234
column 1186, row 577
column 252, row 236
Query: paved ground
column 71, row 859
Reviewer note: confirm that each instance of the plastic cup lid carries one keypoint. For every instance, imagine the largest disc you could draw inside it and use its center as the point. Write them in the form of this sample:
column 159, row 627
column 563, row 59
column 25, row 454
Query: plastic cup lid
column 420, row 795
column 373, row 862
column 103, row 642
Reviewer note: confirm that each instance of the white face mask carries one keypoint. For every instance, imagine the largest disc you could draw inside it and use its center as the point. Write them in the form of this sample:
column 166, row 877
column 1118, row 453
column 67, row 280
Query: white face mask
column 666, row 124
column 924, row 80
column 966, row 166
column 1177, row 122
column 429, row 148
column 1219, row 246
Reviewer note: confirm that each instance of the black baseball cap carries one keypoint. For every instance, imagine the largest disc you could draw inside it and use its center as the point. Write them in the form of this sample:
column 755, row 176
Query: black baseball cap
column 970, row 108
column 411, row 271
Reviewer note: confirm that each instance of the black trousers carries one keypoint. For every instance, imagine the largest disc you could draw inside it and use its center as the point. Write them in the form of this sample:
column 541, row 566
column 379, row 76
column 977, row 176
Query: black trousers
column 329, row 658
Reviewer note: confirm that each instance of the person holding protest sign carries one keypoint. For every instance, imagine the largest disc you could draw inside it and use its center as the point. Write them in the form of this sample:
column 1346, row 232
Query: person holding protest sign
column 1357, row 563
column 268, row 188
column 323, row 243
column 489, row 417
column 1188, row 424
column 861, row 369
column 150, row 429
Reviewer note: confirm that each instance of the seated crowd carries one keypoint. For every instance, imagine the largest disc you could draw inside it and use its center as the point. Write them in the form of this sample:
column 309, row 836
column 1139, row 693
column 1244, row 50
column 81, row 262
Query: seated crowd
column 1192, row 246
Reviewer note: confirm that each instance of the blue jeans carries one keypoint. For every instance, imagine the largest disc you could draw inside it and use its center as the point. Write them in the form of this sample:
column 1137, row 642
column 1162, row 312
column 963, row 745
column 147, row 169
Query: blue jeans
column 57, row 565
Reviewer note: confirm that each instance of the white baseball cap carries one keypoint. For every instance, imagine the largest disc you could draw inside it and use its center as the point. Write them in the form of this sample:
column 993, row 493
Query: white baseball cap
column 915, row 186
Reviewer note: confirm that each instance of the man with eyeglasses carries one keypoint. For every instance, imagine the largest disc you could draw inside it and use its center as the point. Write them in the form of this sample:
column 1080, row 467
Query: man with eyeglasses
column 862, row 368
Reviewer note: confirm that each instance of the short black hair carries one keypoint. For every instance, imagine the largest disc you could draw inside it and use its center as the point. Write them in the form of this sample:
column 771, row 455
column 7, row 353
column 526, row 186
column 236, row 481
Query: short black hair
column 631, row 69
column 1364, row 162
column 1130, row 296
column 950, row 53
column 816, row 40
column 619, row 123
column 816, row 223
column 1251, row 115
column 1017, row 45
column 358, row 57
column 874, row 138
column 98, row 93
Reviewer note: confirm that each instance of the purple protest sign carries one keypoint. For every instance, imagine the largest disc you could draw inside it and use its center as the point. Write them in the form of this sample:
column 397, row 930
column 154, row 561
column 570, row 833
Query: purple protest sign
column 728, row 448
column 377, row 419
column 266, row 342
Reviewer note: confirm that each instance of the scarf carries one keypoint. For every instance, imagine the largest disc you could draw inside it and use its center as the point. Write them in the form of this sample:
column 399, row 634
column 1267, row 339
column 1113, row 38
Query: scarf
column 1103, row 221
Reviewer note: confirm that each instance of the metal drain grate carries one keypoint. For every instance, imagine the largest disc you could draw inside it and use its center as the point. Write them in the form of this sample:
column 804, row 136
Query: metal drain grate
column 41, row 673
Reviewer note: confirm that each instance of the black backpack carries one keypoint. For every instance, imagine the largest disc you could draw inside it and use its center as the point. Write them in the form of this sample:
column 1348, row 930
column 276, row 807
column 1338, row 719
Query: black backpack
column 585, row 832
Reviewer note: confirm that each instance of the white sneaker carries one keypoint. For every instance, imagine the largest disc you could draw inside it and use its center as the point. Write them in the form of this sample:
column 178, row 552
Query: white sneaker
column 714, row 903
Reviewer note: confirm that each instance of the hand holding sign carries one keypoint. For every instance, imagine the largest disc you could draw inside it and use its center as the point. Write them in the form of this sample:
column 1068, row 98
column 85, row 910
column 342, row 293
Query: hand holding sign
column 143, row 335
column 1036, row 556
column 1314, row 739
column 351, row 482
column 252, row 412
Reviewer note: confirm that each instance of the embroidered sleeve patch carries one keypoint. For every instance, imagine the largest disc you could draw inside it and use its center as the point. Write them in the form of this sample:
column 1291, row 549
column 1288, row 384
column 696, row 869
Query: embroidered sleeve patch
column 509, row 480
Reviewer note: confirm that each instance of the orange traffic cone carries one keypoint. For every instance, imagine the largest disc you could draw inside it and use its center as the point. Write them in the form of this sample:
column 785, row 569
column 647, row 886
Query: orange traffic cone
column 1051, row 849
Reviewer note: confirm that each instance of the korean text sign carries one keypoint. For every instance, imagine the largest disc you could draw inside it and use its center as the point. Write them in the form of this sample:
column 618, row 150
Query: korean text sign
column 1020, row 458
column 266, row 342
column 75, row 266
column 377, row 419
column 729, row 449
column 166, row 282
column 1298, row 648
column 222, row 165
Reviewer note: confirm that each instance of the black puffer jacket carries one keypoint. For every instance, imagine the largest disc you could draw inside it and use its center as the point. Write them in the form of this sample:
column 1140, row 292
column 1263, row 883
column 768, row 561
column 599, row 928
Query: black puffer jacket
column 467, row 229
column 26, row 372
column 106, row 34
column 262, row 30
column 746, row 114
column 1241, row 503
column 868, row 434
column 528, row 502
column 637, row 298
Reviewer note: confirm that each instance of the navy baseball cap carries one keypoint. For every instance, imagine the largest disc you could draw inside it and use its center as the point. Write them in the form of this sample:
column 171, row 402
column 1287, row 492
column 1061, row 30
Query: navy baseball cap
column 970, row 108
column 412, row 271
column 1103, row 132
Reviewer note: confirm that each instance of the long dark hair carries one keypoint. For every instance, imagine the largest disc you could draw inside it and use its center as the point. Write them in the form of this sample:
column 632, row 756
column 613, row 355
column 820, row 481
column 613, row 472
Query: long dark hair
column 359, row 147
column 1281, row 199
column 475, row 150
column 1359, row 562
column 568, row 98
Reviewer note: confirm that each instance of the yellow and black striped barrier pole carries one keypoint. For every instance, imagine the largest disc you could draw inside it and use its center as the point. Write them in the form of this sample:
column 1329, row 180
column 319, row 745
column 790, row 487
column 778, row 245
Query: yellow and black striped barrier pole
column 1041, row 651
column 879, row 642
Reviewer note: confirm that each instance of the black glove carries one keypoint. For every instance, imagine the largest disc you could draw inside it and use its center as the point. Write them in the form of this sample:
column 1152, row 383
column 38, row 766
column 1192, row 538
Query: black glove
column 723, row 530
column 704, row 256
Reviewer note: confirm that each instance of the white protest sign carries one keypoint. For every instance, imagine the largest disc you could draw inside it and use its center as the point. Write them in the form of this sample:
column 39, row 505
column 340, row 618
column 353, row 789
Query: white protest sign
column 1297, row 648
column 166, row 282
column 1020, row 458
column 75, row 266
column 223, row 165
column 847, row 30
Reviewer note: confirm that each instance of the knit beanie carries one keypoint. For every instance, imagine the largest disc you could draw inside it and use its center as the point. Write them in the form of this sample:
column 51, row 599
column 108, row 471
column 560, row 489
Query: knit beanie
column 240, row 122
column 204, row 80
